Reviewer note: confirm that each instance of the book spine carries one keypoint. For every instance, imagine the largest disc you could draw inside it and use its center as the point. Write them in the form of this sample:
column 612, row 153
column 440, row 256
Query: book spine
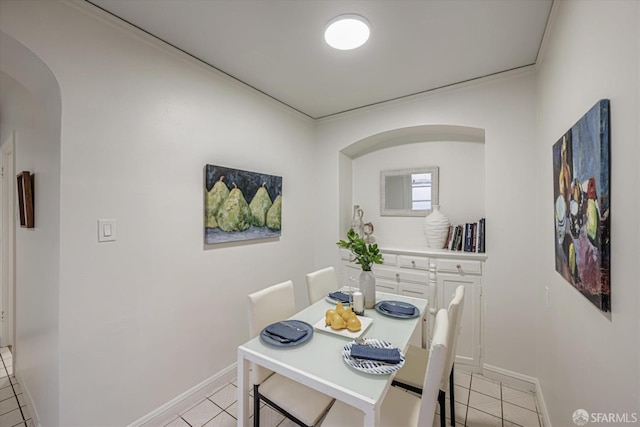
column 467, row 237
column 458, row 243
column 474, row 236
column 450, row 237
column 454, row 234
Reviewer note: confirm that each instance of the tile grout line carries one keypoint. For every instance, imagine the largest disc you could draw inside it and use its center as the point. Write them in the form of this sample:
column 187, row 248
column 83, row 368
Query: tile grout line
column 13, row 388
column 501, row 405
column 482, row 378
column 466, row 404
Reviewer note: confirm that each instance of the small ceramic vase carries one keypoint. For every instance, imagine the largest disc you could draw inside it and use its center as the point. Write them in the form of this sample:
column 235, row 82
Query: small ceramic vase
column 357, row 223
column 436, row 228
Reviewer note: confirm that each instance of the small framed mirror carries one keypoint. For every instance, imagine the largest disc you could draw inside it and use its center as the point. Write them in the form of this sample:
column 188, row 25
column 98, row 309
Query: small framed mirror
column 408, row 192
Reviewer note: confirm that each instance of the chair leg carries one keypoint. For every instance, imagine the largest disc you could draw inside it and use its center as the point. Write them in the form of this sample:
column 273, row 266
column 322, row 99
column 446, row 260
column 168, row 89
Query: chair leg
column 443, row 419
column 452, row 398
column 257, row 397
column 256, row 406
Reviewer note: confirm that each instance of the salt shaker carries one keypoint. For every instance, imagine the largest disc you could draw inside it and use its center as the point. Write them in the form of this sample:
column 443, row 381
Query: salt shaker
column 358, row 303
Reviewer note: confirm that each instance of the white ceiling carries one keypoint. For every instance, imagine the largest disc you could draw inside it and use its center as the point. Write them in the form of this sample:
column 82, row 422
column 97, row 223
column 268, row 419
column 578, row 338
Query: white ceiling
column 277, row 46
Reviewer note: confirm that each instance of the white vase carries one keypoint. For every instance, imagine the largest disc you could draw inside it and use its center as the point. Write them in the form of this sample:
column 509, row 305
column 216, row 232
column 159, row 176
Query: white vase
column 368, row 288
column 436, row 228
column 356, row 222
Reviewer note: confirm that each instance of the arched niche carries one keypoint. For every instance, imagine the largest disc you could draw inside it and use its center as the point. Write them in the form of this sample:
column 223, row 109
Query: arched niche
column 355, row 152
column 413, row 134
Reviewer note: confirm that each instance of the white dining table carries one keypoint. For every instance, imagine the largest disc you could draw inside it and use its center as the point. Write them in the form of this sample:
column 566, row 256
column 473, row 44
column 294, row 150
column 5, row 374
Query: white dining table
column 318, row 362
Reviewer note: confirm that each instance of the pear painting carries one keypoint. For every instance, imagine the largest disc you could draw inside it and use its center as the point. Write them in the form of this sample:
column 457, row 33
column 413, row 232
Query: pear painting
column 274, row 215
column 260, row 206
column 238, row 205
column 234, row 214
column 215, row 198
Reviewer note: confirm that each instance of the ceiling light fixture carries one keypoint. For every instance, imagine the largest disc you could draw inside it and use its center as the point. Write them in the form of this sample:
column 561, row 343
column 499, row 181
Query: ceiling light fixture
column 346, row 32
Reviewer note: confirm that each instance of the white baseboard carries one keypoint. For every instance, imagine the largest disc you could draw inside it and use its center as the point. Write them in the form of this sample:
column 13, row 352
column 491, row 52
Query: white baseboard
column 185, row 401
column 542, row 405
column 521, row 381
column 518, row 380
column 29, row 400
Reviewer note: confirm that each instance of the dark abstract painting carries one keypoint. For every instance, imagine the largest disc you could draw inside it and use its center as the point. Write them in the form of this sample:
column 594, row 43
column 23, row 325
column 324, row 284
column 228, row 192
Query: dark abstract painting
column 241, row 205
column 581, row 175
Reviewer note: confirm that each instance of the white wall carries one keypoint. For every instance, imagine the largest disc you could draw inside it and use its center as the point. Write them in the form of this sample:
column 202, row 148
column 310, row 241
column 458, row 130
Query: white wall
column 586, row 359
column 31, row 108
column 140, row 320
column 462, row 188
column 505, row 109
column 153, row 314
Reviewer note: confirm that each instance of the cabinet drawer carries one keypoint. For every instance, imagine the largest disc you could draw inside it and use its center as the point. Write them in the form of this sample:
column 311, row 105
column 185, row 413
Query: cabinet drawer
column 413, row 262
column 386, row 286
column 459, row 266
column 415, row 291
column 384, row 273
column 399, row 275
column 389, row 259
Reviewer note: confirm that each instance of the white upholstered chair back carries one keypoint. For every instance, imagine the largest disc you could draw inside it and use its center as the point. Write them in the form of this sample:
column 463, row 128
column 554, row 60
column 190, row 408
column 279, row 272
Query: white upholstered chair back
column 267, row 306
column 456, row 307
column 435, row 368
column 320, row 283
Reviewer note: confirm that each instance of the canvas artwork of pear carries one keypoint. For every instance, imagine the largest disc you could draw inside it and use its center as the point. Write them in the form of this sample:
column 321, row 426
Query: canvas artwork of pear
column 234, row 214
column 260, row 205
column 215, row 197
column 274, row 215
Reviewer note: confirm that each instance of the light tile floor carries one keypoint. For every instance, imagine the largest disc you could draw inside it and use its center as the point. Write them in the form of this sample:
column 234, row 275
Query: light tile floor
column 13, row 408
column 480, row 402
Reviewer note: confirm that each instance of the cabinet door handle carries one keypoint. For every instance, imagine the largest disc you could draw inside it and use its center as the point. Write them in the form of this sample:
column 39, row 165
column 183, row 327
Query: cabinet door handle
column 459, row 267
column 413, row 264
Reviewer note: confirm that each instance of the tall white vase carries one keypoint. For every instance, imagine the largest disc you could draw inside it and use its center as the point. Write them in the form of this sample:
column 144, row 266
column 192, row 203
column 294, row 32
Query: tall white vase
column 436, row 228
column 368, row 288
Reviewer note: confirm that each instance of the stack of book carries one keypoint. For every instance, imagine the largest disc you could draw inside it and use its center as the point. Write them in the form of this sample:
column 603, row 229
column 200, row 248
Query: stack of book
column 468, row 237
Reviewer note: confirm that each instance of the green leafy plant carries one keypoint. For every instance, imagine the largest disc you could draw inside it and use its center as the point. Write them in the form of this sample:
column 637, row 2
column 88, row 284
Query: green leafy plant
column 365, row 255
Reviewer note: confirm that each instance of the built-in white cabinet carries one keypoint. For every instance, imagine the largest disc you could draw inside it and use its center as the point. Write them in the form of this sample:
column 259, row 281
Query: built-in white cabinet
column 433, row 275
column 450, row 274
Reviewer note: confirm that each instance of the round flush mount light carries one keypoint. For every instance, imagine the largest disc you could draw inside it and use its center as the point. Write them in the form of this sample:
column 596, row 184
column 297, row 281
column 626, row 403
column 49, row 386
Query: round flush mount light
column 346, row 32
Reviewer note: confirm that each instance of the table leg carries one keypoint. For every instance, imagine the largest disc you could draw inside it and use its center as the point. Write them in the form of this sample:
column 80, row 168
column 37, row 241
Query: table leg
column 372, row 417
column 243, row 391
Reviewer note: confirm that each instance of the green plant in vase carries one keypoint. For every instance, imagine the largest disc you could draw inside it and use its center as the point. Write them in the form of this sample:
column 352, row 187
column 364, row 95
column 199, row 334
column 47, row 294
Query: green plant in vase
column 365, row 255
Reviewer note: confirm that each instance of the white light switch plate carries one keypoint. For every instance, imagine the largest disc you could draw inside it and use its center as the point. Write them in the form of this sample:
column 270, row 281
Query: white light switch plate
column 106, row 230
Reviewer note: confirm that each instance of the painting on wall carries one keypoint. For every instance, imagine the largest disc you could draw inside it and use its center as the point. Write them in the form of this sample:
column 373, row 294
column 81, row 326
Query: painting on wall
column 241, row 205
column 26, row 199
column 581, row 175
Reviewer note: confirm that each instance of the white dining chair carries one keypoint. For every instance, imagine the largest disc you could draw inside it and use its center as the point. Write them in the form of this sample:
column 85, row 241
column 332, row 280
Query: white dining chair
column 320, row 283
column 300, row 404
column 411, row 374
column 400, row 408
